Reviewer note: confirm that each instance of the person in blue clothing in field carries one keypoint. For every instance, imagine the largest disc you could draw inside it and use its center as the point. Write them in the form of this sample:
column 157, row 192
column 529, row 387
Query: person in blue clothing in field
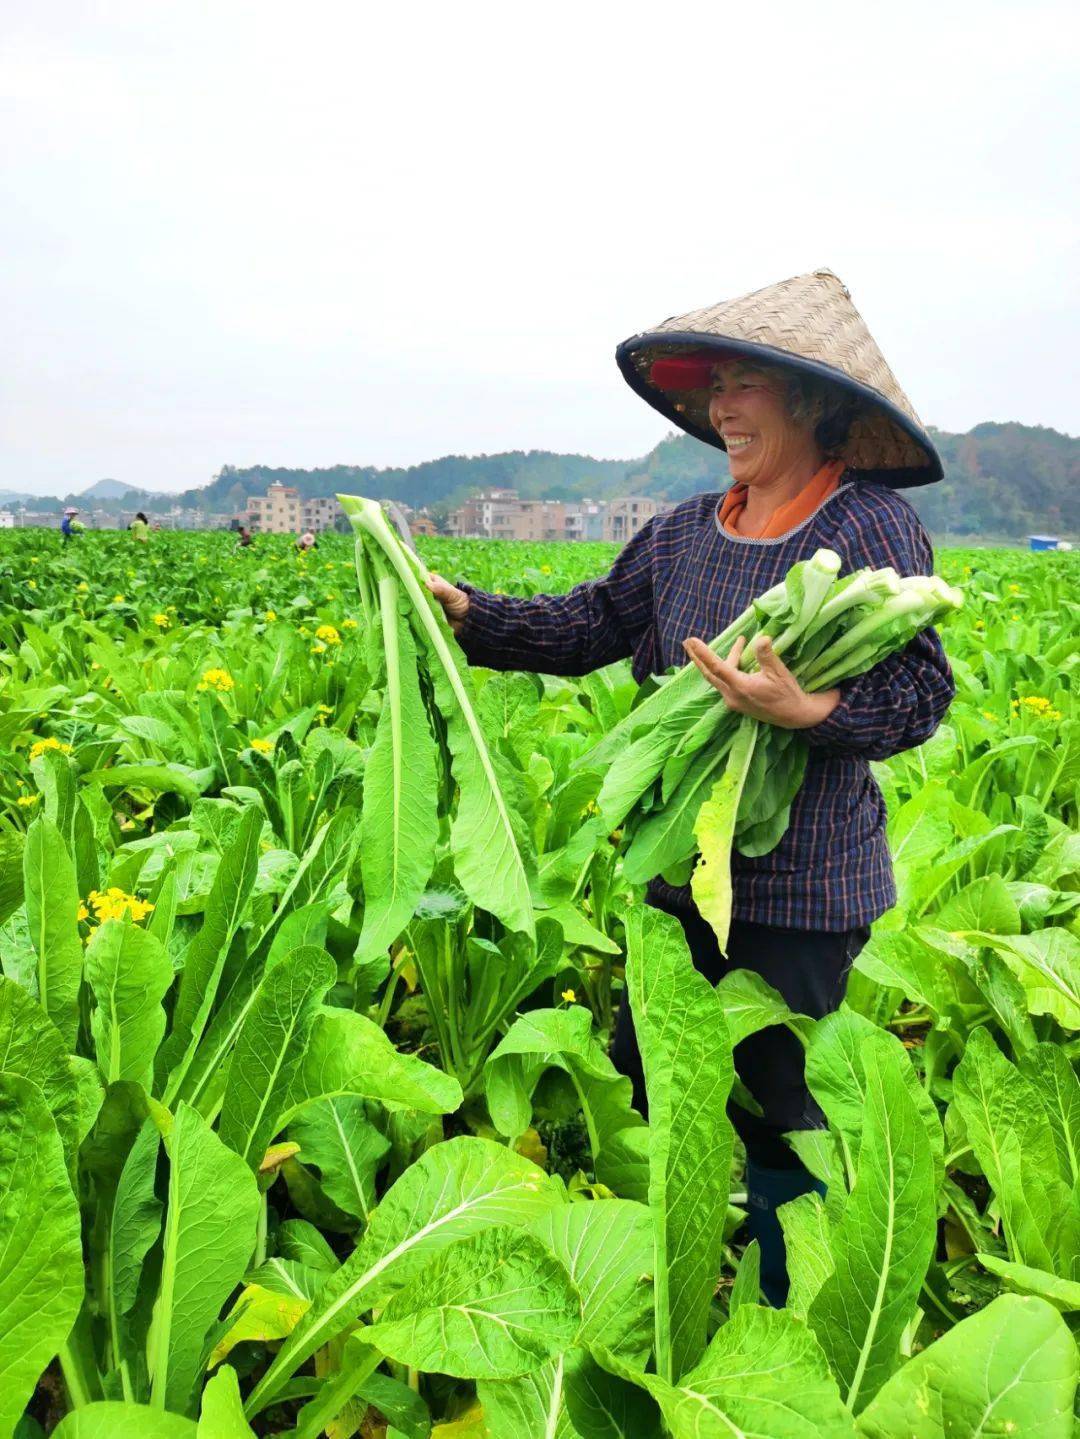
column 70, row 524
column 820, row 438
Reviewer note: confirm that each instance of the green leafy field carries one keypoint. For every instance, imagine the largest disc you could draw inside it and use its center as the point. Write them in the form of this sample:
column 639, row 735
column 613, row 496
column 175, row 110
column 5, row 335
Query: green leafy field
column 276, row 1159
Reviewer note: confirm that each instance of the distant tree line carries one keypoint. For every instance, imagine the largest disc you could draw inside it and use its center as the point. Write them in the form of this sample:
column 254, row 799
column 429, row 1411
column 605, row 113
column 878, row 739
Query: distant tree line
column 1001, row 480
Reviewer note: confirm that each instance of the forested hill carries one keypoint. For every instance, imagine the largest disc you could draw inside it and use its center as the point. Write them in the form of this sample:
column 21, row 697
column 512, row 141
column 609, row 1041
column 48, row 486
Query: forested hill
column 1001, row 479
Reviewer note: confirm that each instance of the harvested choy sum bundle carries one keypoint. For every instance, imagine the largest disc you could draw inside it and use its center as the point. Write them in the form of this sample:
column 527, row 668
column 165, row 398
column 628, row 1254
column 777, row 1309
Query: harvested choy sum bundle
column 689, row 780
column 430, row 767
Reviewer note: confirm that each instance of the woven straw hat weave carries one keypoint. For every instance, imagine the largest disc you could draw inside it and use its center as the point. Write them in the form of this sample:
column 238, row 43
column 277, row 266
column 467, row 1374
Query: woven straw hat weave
column 808, row 323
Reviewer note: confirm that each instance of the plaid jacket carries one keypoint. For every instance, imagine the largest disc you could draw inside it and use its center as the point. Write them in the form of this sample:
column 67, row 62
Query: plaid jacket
column 683, row 575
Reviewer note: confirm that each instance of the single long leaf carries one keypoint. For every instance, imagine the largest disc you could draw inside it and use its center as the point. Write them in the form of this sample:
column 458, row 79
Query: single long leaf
column 269, row 1050
column 401, row 813
column 686, row 1052
column 31, row 1046
column 209, row 1237
column 885, row 1237
column 336, row 1136
column 1013, row 1141
column 205, row 956
column 41, row 1264
column 129, row 973
column 134, row 1226
column 715, row 831
column 52, row 905
column 809, row 1252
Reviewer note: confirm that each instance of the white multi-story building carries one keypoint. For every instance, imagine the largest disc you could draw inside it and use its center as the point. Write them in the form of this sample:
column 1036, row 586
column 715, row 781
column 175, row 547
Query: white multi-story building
column 626, row 516
column 281, row 511
column 585, row 520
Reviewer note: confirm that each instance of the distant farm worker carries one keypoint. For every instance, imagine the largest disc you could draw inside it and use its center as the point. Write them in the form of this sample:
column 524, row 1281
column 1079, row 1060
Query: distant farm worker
column 140, row 528
column 307, row 541
column 820, row 438
column 70, row 524
column 244, row 538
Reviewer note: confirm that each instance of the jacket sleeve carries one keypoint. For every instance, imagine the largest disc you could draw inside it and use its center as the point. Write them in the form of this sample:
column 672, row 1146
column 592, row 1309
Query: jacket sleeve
column 594, row 624
column 901, row 701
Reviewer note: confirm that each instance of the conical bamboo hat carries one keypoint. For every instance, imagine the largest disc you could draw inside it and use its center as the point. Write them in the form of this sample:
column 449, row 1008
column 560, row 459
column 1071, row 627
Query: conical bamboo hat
column 809, row 323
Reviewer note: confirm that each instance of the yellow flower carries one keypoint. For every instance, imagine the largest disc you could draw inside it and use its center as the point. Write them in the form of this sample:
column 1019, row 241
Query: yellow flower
column 979, row 625
column 348, row 624
column 264, row 746
column 1014, row 589
column 569, row 996
column 118, row 599
column 1014, row 617
column 82, row 587
column 41, row 745
column 324, row 709
column 113, row 903
column 328, row 634
column 84, row 913
column 329, row 597
column 31, row 584
column 318, row 648
column 26, row 800
column 162, row 621
column 1036, row 702
column 215, row 679
column 33, row 559
column 545, row 569
column 270, row 616
column 967, row 569
column 987, row 715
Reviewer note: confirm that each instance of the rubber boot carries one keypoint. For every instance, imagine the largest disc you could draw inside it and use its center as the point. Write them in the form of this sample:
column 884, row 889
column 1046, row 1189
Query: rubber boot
column 766, row 1190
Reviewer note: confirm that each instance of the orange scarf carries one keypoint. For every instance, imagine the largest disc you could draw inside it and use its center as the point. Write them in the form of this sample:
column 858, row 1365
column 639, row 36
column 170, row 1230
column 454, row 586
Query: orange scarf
column 784, row 517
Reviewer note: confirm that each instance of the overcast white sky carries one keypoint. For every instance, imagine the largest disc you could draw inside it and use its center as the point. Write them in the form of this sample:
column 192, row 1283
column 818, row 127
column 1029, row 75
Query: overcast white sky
column 303, row 234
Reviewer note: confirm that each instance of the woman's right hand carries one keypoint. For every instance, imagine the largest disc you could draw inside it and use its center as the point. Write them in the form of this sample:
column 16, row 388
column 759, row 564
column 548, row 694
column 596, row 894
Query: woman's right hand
column 455, row 602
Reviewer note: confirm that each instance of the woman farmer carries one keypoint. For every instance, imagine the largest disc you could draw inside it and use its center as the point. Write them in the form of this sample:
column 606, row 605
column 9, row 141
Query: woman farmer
column 819, row 438
column 140, row 528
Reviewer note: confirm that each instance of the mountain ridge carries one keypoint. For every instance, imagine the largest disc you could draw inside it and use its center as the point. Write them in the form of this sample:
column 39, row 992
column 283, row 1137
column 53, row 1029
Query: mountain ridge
column 1001, row 478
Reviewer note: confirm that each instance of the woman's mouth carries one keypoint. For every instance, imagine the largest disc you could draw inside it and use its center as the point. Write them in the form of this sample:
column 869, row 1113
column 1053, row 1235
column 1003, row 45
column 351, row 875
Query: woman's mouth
column 737, row 443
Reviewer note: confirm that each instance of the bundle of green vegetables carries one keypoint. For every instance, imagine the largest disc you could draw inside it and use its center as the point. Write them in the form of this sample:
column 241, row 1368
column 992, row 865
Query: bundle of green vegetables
column 689, row 779
column 429, row 742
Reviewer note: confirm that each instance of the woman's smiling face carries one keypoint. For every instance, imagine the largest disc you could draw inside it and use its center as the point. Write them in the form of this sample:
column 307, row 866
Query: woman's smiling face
column 749, row 409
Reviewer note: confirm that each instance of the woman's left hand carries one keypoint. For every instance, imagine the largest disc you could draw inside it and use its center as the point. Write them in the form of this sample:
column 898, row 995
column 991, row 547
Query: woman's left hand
column 772, row 693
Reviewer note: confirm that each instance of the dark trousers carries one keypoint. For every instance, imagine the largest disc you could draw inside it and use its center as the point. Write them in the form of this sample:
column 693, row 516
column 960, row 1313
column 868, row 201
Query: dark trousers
column 809, row 968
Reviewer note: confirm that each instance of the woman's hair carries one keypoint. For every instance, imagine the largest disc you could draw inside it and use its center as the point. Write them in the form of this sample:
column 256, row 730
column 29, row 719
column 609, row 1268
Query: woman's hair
column 140, row 516
column 810, row 400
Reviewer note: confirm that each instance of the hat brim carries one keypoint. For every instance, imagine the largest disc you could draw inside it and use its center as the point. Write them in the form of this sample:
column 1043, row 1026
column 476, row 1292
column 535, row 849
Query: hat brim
column 685, row 408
